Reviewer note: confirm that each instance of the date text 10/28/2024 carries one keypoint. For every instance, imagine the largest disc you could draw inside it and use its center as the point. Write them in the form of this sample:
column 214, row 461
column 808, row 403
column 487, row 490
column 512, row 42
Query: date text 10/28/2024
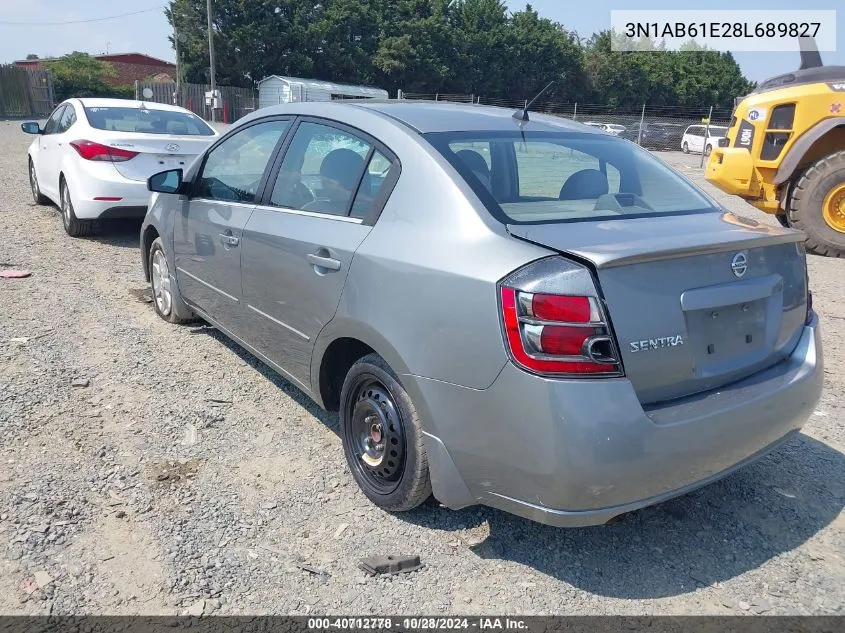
column 417, row 624
column 721, row 29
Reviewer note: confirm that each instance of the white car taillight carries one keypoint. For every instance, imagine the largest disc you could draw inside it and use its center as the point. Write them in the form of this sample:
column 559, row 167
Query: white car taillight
column 89, row 150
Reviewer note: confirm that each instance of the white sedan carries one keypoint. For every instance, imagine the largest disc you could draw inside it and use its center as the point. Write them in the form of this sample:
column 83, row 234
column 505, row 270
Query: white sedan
column 93, row 156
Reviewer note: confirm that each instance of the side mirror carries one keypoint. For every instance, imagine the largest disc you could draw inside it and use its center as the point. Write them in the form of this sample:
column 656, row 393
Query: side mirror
column 31, row 127
column 169, row 181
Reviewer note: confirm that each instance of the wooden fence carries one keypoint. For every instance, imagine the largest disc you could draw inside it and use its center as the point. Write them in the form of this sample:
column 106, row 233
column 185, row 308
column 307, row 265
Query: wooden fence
column 25, row 92
column 234, row 102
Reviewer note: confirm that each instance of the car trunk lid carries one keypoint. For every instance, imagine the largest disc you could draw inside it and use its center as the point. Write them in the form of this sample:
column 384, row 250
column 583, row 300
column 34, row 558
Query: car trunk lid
column 170, row 151
column 696, row 301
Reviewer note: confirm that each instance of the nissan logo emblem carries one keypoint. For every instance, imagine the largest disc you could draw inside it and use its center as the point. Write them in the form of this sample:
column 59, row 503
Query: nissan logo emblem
column 739, row 264
column 173, row 147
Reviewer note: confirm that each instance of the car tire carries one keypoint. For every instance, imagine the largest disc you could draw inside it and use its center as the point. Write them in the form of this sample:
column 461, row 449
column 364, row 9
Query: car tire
column 808, row 201
column 382, row 437
column 37, row 196
column 73, row 225
column 167, row 300
column 685, row 148
column 707, row 150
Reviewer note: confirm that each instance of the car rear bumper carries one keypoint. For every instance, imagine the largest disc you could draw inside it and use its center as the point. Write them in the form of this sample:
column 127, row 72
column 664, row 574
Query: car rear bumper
column 574, row 453
column 99, row 191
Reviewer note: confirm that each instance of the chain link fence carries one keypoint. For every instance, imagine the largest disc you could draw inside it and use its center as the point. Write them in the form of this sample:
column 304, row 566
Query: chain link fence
column 653, row 127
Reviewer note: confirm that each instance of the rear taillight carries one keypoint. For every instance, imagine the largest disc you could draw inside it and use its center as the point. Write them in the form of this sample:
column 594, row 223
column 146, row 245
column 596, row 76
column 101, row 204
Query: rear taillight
column 89, row 150
column 556, row 334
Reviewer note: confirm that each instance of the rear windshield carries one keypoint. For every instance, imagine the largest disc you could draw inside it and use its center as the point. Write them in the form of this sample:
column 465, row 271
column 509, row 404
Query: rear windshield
column 151, row 121
column 566, row 177
column 716, row 130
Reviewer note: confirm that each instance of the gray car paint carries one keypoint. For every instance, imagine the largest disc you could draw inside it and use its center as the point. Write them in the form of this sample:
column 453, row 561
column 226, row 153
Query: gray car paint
column 720, row 319
column 579, row 452
column 286, row 316
column 421, row 291
column 207, row 265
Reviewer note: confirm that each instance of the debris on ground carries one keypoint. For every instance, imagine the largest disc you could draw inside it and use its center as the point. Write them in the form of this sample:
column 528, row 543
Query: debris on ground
column 340, row 530
column 80, row 382
column 195, row 609
column 390, row 564
column 42, row 579
column 14, row 274
column 142, row 295
column 313, row 570
column 191, row 435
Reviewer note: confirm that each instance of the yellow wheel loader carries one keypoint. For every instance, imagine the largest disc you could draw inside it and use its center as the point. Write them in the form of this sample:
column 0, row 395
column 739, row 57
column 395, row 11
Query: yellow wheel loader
column 785, row 151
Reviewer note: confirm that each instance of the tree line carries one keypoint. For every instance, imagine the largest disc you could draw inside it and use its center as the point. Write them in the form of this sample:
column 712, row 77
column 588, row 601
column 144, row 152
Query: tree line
column 447, row 46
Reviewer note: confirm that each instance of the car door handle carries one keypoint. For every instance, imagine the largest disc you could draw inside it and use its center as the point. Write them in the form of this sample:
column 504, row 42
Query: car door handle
column 329, row 263
column 229, row 240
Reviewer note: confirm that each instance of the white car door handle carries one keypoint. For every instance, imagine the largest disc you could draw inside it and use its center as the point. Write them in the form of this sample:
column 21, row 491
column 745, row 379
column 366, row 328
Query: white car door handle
column 229, row 240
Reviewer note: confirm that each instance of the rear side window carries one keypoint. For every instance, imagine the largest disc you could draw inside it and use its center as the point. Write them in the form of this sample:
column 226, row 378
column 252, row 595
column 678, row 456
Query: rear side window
column 67, row 120
column 233, row 169
column 52, row 125
column 321, row 170
column 372, row 184
column 566, row 176
column 146, row 121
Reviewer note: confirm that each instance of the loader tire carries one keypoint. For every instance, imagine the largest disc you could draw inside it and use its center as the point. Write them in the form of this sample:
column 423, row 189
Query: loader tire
column 817, row 206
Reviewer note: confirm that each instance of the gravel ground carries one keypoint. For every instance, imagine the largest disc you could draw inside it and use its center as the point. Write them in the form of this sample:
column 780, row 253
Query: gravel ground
column 156, row 469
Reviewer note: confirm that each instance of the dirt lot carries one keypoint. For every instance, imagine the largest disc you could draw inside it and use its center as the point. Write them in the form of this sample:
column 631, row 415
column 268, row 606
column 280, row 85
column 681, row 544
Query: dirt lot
column 150, row 468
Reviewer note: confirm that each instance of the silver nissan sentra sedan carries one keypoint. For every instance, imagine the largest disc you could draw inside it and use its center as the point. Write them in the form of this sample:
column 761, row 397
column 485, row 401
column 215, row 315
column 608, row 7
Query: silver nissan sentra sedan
column 527, row 314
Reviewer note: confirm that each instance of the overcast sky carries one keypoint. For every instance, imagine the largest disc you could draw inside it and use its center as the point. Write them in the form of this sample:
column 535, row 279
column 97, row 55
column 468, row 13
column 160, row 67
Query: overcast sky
column 147, row 32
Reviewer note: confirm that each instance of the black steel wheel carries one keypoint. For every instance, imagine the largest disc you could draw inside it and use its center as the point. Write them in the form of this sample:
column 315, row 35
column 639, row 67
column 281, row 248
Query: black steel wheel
column 382, row 437
column 376, row 434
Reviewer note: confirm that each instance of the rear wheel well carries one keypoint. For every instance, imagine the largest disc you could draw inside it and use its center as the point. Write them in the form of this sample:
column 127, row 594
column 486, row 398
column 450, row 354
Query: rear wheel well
column 340, row 355
column 150, row 235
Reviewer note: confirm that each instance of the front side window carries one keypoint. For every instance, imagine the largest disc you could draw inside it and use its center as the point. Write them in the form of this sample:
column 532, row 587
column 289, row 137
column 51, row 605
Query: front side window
column 146, row 121
column 233, row 169
column 321, row 171
column 568, row 176
column 52, row 125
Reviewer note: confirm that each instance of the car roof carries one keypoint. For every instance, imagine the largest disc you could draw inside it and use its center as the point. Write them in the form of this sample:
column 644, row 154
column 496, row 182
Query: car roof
column 126, row 103
column 437, row 116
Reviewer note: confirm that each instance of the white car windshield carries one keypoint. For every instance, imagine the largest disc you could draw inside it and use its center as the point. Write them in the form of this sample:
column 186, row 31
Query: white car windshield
column 149, row 121
column 565, row 177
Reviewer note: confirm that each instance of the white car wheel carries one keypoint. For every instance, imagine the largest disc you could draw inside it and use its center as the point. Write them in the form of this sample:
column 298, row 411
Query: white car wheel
column 73, row 226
